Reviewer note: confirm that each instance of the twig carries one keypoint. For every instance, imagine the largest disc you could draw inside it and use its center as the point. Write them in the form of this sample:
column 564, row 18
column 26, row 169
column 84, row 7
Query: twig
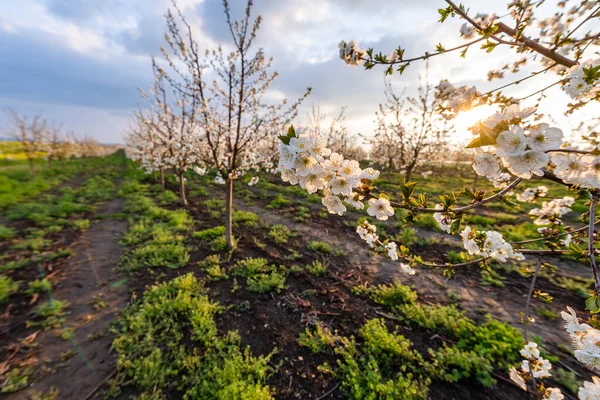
column 329, row 392
column 529, row 296
column 89, row 396
column 388, row 316
column 591, row 249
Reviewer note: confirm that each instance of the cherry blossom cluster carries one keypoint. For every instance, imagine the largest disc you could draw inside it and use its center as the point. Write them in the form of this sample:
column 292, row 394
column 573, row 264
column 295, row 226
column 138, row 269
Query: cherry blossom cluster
column 368, row 233
column 467, row 30
column 530, row 194
column 253, row 181
column 582, row 80
column 522, row 152
column 351, row 53
column 534, row 366
column 488, row 244
column 590, row 390
column 552, row 211
column 501, row 180
column 455, row 99
column 585, row 339
column 577, row 169
column 308, row 162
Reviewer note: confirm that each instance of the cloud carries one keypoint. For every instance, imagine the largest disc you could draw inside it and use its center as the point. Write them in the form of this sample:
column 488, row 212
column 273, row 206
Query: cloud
column 88, row 58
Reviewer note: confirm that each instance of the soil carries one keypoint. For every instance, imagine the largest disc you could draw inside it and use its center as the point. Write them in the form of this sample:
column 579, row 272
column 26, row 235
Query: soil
column 272, row 322
column 89, row 282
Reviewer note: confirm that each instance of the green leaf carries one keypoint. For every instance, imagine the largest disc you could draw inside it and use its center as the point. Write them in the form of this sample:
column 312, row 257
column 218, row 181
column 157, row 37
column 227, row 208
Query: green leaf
column 291, row 132
column 593, row 304
column 402, row 68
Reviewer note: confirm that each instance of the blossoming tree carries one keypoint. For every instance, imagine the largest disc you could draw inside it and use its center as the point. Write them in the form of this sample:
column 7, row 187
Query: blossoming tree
column 509, row 147
column 229, row 85
column 406, row 128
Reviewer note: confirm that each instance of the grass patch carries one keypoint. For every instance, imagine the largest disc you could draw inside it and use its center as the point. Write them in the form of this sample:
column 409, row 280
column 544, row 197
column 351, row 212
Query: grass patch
column 279, row 233
column 317, row 268
column 7, row 287
column 170, row 343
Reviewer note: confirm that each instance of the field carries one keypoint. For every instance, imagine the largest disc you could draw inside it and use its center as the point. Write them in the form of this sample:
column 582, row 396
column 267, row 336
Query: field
column 111, row 289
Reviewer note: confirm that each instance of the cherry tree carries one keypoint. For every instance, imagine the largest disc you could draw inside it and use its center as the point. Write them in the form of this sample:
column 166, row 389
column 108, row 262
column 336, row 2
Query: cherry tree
column 336, row 134
column 511, row 146
column 229, row 85
column 407, row 128
column 31, row 133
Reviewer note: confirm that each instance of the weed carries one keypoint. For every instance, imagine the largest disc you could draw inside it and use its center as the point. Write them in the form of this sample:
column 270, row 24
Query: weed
column 49, row 314
column 548, row 314
column 7, row 287
column 293, row 256
column 319, row 340
column 246, row 218
column 244, row 306
column 152, row 354
column 279, row 233
column 267, row 283
column 279, row 202
column 408, row 237
column 212, row 266
column 51, row 394
column 39, row 286
column 317, row 268
column 6, row 233
column 16, row 264
column 489, row 277
column 210, row 234
column 81, row 224
column 167, row 198
column 320, row 247
column 16, row 379
column 249, row 267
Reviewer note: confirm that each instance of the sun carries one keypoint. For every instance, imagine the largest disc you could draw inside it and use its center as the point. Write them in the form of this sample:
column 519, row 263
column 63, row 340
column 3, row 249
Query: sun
column 466, row 119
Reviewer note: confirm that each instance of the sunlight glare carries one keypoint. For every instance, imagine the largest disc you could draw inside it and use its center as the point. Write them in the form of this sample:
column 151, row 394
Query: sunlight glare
column 466, row 119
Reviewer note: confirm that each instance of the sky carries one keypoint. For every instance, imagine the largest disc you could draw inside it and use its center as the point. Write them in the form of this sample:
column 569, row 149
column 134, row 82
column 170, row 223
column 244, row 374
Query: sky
column 80, row 63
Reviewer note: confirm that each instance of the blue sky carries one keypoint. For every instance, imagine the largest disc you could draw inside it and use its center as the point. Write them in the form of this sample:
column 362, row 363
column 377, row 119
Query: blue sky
column 80, row 62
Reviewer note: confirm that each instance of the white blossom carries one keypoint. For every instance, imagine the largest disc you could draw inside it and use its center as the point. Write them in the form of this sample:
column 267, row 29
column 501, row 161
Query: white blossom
column 590, row 390
column 443, row 220
column 527, row 164
column 380, row 208
column 543, row 138
column 486, row 164
column 334, row 205
column 511, row 142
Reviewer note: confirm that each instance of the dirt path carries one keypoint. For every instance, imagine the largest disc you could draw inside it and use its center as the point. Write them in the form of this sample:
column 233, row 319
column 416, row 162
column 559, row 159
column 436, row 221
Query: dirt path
column 94, row 291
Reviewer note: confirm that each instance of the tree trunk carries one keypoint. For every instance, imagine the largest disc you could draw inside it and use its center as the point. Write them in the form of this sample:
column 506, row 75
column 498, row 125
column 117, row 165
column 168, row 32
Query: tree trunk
column 228, row 214
column 162, row 178
column 32, row 166
column 475, row 182
column 409, row 171
column 182, row 190
column 389, row 172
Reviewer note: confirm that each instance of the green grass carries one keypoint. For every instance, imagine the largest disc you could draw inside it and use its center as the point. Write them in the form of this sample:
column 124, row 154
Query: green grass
column 317, row 268
column 279, row 202
column 158, row 348
column 279, row 233
column 155, row 237
column 49, row 314
column 496, row 341
column 7, row 287
column 250, row 267
column 267, row 283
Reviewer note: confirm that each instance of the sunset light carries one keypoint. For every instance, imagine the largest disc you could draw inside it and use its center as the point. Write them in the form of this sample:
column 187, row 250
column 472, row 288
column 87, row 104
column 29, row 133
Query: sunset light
column 466, row 119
